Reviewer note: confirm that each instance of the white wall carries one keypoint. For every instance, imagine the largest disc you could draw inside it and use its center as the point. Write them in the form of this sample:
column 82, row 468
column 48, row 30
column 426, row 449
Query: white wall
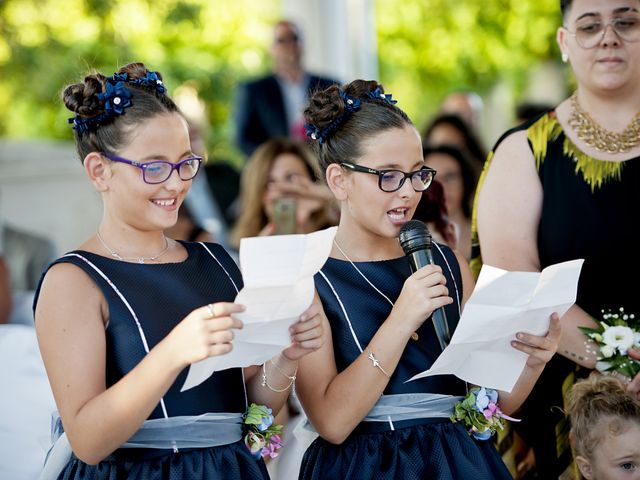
column 43, row 189
column 340, row 36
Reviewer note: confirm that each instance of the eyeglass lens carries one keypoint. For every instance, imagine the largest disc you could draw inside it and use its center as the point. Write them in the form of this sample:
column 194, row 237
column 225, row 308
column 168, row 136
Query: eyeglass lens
column 589, row 34
column 158, row 172
column 393, row 180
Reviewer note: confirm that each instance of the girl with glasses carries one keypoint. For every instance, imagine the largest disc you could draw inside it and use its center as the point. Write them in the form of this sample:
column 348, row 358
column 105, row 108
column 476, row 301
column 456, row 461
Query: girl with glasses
column 377, row 332
column 564, row 186
column 121, row 318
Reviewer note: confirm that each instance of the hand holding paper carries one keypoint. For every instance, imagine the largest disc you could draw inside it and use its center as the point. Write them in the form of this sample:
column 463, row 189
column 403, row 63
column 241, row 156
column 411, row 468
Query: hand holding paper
column 502, row 304
column 278, row 287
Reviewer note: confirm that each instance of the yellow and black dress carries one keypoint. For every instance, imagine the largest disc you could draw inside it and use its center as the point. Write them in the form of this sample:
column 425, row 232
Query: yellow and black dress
column 590, row 210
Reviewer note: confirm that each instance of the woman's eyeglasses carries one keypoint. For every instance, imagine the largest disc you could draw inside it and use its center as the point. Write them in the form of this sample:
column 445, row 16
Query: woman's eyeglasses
column 392, row 180
column 158, row 171
column 590, row 34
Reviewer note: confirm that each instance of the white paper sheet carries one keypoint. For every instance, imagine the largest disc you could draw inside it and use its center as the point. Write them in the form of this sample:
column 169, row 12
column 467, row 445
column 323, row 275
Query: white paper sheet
column 502, row 304
column 278, row 286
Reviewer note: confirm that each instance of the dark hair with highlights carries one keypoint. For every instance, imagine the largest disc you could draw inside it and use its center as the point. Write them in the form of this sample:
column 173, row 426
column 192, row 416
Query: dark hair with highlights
column 599, row 398
column 375, row 115
column 82, row 99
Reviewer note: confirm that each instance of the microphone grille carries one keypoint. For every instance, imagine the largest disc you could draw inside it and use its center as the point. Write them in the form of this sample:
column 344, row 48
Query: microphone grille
column 414, row 235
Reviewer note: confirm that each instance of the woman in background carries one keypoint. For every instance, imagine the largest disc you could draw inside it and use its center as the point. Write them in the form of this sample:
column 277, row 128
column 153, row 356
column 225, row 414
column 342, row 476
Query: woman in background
column 281, row 168
column 458, row 177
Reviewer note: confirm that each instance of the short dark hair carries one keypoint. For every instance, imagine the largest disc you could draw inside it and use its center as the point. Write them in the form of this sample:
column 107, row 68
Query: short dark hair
column 565, row 6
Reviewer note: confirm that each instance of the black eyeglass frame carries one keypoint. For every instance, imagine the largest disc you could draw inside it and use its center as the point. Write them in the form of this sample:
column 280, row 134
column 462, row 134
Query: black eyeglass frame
column 382, row 173
column 144, row 165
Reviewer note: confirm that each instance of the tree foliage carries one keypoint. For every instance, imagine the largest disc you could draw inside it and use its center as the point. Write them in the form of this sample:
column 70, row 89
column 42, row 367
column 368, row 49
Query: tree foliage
column 47, row 44
column 426, row 48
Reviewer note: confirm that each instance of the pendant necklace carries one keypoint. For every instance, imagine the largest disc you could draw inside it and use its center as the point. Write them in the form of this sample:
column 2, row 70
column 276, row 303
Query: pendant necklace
column 117, row 256
column 414, row 335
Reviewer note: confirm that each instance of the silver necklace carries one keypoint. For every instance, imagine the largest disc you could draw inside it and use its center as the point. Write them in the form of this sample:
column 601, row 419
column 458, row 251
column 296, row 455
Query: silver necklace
column 117, row 256
column 414, row 335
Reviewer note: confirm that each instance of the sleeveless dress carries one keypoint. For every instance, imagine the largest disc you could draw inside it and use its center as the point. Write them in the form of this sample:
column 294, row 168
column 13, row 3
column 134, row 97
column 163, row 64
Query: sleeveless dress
column 588, row 211
column 161, row 295
column 428, row 448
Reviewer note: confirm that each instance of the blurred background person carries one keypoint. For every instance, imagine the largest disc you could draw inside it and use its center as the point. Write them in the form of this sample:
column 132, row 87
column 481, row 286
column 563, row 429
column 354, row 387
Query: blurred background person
column 432, row 210
column 467, row 105
column 272, row 106
column 186, row 228
column 564, row 187
column 449, row 129
column 458, row 177
column 281, row 168
column 25, row 255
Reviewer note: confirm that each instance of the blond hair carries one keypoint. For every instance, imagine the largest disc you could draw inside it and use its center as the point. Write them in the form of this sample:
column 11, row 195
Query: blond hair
column 595, row 399
column 254, row 182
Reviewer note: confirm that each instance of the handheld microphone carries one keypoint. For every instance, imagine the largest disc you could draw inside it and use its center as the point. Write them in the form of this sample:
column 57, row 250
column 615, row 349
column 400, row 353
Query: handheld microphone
column 415, row 241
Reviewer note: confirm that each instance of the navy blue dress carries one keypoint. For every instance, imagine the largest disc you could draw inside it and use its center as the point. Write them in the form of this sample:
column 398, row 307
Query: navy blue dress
column 161, row 295
column 416, row 449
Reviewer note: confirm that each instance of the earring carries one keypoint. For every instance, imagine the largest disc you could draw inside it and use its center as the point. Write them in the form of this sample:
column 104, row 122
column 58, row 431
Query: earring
column 565, row 58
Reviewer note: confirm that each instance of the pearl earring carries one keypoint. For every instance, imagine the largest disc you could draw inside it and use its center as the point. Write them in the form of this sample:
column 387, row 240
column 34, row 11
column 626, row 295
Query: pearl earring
column 565, row 58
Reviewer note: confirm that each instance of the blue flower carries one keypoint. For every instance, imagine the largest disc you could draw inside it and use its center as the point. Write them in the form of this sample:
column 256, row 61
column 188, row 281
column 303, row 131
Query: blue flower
column 116, row 97
column 486, row 435
column 266, row 422
column 484, row 397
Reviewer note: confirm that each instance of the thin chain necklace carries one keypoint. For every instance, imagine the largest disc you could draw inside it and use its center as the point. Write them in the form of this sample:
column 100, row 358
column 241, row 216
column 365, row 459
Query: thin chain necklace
column 603, row 140
column 414, row 335
column 117, row 256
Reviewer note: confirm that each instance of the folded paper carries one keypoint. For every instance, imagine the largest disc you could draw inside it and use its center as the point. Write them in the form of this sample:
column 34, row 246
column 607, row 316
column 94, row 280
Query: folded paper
column 278, row 287
column 502, row 304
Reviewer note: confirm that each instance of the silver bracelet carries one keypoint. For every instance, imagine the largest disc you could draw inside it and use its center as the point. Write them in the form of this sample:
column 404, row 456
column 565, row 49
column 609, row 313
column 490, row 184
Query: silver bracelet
column 265, row 383
column 376, row 363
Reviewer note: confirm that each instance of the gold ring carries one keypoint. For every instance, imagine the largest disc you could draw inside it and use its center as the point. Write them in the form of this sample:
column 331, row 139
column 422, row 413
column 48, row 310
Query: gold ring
column 211, row 311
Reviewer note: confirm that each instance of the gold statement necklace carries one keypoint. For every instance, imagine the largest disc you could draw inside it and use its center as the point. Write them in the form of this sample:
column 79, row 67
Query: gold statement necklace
column 600, row 138
column 117, row 256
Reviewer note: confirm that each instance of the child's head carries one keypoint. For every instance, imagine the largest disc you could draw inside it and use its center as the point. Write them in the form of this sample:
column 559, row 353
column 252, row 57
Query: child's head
column 134, row 144
column 605, row 428
column 109, row 108
column 371, row 155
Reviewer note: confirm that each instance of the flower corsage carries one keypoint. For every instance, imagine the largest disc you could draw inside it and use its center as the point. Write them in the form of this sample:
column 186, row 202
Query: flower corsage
column 616, row 333
column 262, row 436
column 480, row 413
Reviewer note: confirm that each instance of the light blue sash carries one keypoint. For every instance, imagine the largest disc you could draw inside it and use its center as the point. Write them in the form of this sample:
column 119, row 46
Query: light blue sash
column 203, row 431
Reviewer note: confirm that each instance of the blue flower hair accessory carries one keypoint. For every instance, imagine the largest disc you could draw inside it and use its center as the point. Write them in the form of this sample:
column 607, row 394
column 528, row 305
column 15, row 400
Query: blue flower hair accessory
column 116, row 97
column 151, row 80
column 351, row 105
column 480, row 413
column 378, row 95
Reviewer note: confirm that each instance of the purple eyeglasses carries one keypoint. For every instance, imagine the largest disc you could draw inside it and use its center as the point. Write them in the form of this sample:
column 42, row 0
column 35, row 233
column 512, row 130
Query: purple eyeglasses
column 158, row 171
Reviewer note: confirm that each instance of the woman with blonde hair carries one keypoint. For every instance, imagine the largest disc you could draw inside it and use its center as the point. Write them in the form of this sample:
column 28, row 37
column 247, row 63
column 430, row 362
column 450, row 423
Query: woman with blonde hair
column 281, row 168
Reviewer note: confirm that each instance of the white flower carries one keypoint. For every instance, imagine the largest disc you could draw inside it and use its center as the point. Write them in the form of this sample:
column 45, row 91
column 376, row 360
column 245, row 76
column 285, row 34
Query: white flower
column 636, row 340
column 621, row 338
column 607, row 351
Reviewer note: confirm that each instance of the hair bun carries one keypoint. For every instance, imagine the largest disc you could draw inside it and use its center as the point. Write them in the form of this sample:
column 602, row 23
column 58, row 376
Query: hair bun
column 82, row 98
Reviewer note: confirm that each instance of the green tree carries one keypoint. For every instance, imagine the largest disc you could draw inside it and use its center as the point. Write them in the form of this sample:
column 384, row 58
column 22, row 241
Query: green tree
column 426, row 48
column 431, row 47
column 46, row 44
